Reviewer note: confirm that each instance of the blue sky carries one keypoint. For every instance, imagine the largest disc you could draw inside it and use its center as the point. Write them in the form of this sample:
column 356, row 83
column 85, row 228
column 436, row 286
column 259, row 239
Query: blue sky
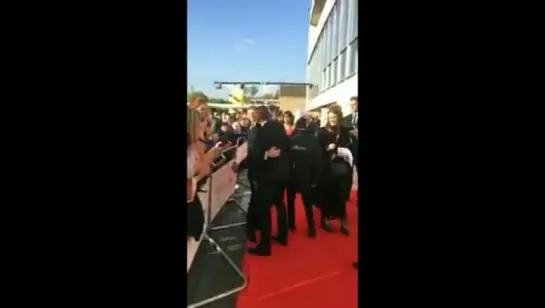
column 246, row 40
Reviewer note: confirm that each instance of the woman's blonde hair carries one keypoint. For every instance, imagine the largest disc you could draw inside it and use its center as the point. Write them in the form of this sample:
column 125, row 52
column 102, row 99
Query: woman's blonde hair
column 198, row 102
column 193, row 118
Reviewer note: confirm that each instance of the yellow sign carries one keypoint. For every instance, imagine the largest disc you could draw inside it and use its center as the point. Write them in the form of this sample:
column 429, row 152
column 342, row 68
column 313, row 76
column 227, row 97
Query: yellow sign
column 237, row 96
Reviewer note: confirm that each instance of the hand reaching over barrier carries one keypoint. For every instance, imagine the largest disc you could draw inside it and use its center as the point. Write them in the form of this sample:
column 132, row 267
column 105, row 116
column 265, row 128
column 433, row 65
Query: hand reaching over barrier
column 272, row 153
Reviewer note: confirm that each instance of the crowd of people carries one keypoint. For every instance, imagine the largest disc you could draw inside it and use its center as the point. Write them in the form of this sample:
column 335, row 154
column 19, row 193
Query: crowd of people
column 233, row 126
column 286, row 156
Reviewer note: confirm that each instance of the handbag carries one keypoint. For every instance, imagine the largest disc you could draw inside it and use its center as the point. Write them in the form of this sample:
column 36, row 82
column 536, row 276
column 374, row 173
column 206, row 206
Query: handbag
column 339, row 167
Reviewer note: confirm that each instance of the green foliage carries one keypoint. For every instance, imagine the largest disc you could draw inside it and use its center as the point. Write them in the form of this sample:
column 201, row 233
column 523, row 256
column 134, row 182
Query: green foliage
column 214, row 100
column 251, row 91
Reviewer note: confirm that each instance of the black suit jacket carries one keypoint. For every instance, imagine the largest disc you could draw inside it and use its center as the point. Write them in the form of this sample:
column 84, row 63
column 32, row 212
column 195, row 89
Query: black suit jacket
column 271, row 134
column 305, row 158
column 354, row 145
column 347, row 121
column 247, row 162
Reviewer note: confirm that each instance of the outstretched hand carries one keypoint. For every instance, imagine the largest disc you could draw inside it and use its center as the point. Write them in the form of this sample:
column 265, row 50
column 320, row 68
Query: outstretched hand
column 235, row 167
column 273, row 152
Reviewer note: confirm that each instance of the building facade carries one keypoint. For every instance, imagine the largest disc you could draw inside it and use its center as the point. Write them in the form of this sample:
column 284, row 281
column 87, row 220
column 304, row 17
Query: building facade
column 332, row 63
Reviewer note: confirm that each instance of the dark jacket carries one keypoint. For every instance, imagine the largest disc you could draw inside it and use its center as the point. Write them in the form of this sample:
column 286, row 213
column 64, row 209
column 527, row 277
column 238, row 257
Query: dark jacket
column 353, row 145
column 251, row 137
column 306, row 158
column 342, row 139
column 271, row 134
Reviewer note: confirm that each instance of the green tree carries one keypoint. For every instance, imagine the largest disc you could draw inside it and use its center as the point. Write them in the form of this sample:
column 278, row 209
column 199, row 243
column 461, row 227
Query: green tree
column 251, row 90
column 214, row 100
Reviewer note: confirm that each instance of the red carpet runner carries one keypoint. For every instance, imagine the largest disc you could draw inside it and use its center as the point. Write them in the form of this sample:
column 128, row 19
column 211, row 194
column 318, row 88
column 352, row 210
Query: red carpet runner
column 308, row 272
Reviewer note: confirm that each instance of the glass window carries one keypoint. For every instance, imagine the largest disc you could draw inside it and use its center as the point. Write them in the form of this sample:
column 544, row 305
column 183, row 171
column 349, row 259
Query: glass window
column 317, row 52
column 334, row 72
column 353, row 63
column 335, row 23
column 326, row 85
column 355, row 19
column 342, row 65
column 352, row 17
column 331, row 21
column 328, row 77
column 322, row 80
column 343, row 24
column 322, row 53
column 326, row 43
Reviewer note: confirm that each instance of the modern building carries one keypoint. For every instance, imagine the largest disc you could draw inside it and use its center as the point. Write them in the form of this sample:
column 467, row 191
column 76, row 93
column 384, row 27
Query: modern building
column 332, row 53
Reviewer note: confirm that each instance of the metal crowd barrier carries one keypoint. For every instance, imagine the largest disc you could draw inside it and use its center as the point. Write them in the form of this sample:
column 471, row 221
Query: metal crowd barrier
column 220, row 189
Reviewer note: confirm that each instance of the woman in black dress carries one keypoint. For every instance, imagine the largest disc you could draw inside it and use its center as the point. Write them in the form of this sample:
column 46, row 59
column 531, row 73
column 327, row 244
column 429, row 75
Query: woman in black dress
column 337, row 172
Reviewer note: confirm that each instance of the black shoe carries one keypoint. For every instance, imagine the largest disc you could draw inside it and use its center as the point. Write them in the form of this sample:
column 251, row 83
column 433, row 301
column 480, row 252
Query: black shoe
column 292, row 228
column 344, row 227
column 355, row 265
column 281, row 240
column 259, row 251
column 326, row 226
column 312, row 233
column 250, row 235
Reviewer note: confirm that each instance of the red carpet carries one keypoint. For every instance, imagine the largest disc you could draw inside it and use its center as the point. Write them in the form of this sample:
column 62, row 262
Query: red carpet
column 308, row 272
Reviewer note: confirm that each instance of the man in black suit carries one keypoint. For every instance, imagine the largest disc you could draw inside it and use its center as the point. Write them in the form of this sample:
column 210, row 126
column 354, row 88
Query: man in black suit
column 352, row 122
column 251, row 223
column 269, row 158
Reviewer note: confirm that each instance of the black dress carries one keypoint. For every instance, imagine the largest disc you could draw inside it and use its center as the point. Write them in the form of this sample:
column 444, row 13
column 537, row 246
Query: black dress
column 195, row 219
column 195, row 214
column 334, row 190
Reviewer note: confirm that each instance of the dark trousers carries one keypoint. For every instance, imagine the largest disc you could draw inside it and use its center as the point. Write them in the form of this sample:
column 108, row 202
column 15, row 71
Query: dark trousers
column 266, row 195
column 278, row 201
column 250, row 216
column 306, row 195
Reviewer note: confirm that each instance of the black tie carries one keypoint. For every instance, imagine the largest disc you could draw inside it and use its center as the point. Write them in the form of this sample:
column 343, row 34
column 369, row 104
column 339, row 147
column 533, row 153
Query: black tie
column 355, row 118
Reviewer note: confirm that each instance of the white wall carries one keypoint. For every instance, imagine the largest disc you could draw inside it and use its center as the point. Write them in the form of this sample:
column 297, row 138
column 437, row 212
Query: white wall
column 315, row 31
column 341, row 94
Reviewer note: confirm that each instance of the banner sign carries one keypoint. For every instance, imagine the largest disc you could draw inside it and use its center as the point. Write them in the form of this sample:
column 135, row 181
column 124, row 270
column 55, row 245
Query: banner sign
column 223, row 187
column 192, row 244
column 242, row 152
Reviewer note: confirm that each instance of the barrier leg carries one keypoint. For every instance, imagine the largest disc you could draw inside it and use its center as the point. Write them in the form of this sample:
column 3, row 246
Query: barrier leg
column 246, row 193
column 240, row 204
column 235, row 224
column 233, row 266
